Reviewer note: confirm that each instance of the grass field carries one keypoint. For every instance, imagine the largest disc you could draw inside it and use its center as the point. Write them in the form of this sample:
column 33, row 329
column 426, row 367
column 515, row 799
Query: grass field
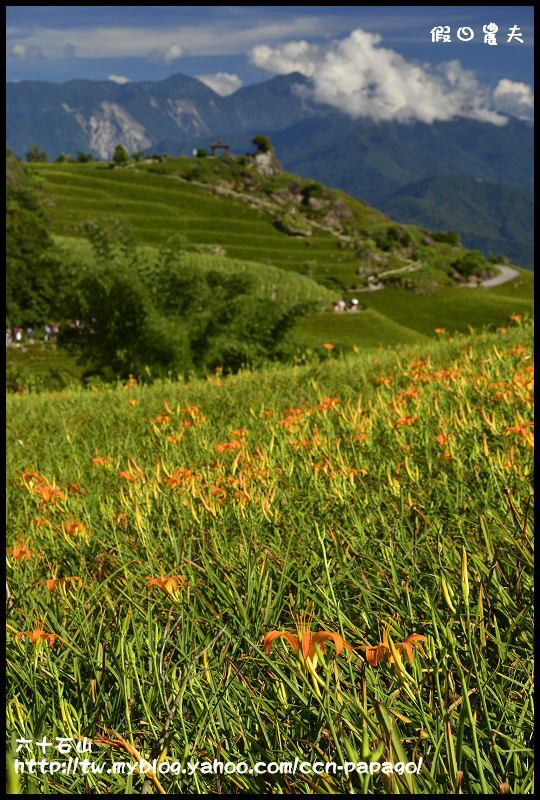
column 157, row 535
column 158, row 206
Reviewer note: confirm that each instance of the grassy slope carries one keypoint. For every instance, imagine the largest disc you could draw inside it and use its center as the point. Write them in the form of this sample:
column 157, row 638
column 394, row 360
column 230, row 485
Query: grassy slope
column 158, row 206
column 301, row 524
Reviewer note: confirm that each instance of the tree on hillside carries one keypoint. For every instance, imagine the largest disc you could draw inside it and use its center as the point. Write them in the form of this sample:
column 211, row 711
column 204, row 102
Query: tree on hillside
column 35, row 154
column 472, row 263
column 83, row 158
column 157, row 315
column 34, row 268
column 263, row 144
column 120, row 156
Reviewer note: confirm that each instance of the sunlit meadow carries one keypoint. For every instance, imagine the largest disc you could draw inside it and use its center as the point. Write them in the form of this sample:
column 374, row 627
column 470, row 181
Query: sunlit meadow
column 330, row 562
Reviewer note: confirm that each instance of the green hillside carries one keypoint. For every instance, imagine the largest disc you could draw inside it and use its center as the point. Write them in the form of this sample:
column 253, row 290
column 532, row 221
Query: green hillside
column 492, row 218
column 225, row 208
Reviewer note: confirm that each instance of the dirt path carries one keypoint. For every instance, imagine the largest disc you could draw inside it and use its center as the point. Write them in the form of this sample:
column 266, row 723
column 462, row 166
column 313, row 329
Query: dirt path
column 505, row 274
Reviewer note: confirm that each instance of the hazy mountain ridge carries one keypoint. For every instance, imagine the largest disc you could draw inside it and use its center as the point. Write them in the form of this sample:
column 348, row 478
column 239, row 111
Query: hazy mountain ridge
column 383, row 163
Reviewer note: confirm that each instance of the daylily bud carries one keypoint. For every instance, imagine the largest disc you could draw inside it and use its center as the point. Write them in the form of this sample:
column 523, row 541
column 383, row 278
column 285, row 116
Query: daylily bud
column 446, row 590
column 464, row 578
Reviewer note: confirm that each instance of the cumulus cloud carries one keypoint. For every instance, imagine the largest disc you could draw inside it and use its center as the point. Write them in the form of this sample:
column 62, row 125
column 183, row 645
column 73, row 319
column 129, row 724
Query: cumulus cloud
column 166, row 56
column 224, row 83
column 24, row 51
column 118, row 79
column 363, row 79
column 514, row 98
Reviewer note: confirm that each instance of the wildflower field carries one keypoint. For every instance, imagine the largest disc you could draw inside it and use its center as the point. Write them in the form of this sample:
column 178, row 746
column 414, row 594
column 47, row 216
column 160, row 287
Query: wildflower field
column 322, row 563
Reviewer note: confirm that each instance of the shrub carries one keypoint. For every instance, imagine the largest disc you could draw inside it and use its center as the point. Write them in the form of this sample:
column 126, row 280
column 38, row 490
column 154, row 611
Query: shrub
column 263, row 144
column 447, row 237
column 167, row 315
column 472, row 263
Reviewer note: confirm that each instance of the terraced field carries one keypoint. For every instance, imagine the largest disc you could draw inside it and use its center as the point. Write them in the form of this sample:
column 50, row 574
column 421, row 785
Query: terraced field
column 158, row 206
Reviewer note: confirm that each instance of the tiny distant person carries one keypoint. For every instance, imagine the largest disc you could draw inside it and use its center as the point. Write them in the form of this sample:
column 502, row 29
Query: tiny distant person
column 341, row 305
column 8, row 337
column 353, row 305
column 18, row 335
column 47, row 331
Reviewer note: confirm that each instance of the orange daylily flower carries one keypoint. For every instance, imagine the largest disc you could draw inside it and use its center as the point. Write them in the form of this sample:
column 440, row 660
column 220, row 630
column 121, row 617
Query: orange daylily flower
column 439, row 330
column 126, row 475
column 407, row 420
column 384, row 381
column 21, row 552
column 174, row 439
column 39, row 635
column 217, row 490
column 328, row 402
column 242, row 497
column 181, row 476
column 223, row 446
column 49, row 494
column 128, row 748
column 520, row 429
column 382, row 652
column 31, row 479
column 74, row 528
column 304, row 642
column 412, row 392
column 53, row 583
column 168, row 585
column 328, row 346
column 446, row 373
column 239, row 433
column 193, row 411
column 130, row 382
column 162, row 420
column 132, row 401
column 73, row 489
column 516, row 317
column 102, row 461
column 40, row 522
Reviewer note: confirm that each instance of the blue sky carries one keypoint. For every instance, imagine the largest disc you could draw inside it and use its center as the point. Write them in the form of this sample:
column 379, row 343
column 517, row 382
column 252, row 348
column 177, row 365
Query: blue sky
column 234, row 46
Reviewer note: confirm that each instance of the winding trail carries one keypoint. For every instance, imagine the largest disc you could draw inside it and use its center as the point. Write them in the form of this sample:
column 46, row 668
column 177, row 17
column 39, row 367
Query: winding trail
column 505, row 274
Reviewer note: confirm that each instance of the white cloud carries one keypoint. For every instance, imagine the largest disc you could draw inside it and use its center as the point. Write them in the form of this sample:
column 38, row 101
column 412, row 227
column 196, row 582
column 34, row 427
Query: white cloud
column 224, row 83
column 514, row 98
column 363, row 79
column 166, row 56
column 24, row 51
column 223, row 37
column 118, row 79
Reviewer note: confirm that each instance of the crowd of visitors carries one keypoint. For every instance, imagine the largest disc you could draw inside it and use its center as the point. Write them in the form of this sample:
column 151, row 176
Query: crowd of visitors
column 18, row 336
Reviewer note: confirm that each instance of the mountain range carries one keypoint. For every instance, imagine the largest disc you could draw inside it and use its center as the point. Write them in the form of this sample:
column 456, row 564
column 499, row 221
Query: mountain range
column 463, row 175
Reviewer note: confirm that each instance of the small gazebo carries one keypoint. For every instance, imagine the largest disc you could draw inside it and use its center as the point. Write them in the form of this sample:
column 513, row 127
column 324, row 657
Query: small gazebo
column 219, row 145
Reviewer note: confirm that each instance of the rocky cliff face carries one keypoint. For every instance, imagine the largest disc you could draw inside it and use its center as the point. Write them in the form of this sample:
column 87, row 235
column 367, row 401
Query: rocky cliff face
column 109, row 125
column 97, row 115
